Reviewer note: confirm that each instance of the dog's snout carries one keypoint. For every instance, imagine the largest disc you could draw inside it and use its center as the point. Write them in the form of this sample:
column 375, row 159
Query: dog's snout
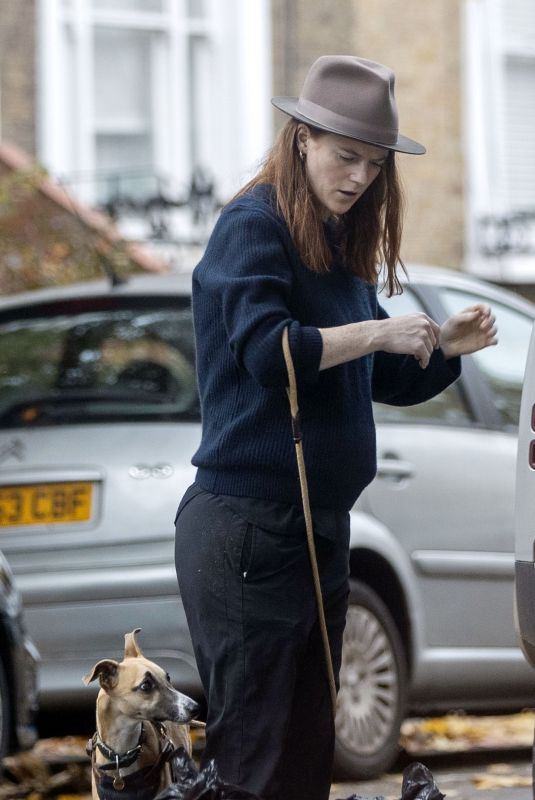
column 188, row 708
column 194, row 709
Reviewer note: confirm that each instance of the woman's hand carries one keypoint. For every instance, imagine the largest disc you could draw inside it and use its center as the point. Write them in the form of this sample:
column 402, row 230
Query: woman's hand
column 412, row 334
column 469, row 331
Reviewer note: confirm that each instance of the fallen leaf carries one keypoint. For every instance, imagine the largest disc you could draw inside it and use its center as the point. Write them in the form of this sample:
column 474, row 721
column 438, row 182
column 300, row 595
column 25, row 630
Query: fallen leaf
column 454, row 732
column 501, row 781
column 500, row 769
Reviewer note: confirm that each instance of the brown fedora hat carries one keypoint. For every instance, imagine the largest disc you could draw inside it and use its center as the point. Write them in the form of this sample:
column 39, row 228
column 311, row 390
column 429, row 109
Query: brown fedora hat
column 352, row 97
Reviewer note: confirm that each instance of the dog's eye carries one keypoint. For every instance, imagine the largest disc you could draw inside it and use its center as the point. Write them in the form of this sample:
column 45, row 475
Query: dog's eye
column 146, row 686
column 168, row 678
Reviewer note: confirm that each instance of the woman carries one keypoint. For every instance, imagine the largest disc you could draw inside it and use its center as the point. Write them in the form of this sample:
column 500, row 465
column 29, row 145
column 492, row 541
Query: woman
column 297, row 248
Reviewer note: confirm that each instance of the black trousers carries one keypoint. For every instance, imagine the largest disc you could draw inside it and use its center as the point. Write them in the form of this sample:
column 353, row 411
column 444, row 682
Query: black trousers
column 249, row 600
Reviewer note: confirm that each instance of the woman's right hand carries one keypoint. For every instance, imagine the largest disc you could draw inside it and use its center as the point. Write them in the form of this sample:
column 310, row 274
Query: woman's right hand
column 412, row 334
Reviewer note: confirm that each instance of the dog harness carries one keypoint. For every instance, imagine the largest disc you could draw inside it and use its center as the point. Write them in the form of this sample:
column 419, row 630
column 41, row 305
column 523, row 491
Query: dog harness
column 143, row 784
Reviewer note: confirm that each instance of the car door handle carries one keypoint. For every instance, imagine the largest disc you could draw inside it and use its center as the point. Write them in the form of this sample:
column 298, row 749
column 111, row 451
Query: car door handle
column 393, row 468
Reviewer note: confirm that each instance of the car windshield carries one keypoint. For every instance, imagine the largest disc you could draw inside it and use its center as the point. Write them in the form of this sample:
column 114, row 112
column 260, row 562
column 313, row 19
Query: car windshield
column 104, row 359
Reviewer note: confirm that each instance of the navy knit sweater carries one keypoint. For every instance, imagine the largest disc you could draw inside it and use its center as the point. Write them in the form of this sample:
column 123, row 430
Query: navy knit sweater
column 250, row 285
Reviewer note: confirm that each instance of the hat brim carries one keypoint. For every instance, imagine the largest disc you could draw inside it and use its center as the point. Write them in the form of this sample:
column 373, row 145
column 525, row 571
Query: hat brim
column 402, row 145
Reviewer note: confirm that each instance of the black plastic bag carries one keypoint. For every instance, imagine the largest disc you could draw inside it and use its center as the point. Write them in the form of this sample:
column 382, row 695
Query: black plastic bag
column 190, row 784
column 418, row 784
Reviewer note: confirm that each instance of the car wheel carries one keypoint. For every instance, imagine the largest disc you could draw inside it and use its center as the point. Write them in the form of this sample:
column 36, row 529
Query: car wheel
column 373, row 688
column 4, row 712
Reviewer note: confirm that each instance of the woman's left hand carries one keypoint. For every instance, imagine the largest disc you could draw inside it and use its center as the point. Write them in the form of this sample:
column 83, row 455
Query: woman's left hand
column 469, row 331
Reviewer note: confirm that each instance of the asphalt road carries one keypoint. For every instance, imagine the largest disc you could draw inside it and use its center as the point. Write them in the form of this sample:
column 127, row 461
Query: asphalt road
column 490, row 775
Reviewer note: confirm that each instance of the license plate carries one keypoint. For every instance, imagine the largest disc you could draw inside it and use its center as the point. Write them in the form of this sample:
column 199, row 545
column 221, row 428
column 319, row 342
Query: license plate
column 45, row 503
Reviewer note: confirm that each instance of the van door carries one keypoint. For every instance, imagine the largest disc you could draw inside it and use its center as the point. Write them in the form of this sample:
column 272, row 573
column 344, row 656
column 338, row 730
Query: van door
column 525, row 512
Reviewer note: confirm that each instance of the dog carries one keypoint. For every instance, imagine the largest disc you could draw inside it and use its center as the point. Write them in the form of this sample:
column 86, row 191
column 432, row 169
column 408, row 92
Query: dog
column 132, row 749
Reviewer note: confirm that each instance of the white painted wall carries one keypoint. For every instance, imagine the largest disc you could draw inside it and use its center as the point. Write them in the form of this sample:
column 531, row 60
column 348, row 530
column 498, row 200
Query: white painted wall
column 499, row 138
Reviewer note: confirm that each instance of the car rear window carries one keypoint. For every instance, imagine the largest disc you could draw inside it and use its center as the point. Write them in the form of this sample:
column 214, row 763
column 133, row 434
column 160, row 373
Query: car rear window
column 102, row 359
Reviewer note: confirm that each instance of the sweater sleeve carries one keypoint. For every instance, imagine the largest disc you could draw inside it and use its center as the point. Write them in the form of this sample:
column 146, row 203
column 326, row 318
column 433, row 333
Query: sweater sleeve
column 399, row 380
column 250, row 271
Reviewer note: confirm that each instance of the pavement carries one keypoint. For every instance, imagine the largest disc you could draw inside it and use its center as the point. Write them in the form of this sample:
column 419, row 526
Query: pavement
column 493, row 772
column 489, row 775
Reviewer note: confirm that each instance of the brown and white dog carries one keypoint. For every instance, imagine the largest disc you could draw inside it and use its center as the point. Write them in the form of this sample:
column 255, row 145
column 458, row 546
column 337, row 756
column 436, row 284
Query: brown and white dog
column 132, row 748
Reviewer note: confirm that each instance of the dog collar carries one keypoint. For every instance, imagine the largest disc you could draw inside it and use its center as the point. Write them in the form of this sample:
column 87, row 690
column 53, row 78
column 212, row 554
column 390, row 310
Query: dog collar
column 140, row 785
column 118, row 760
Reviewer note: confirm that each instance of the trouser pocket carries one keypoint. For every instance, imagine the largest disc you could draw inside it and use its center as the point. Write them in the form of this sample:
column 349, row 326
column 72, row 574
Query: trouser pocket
column 193, row 491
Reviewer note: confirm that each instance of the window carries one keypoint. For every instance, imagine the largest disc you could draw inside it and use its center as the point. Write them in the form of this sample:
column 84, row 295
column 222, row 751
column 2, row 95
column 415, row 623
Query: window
column 502, row 366
column 91, row 361
column 500, row 117
column 123, row 130
column 139, row 96
column 447, row 407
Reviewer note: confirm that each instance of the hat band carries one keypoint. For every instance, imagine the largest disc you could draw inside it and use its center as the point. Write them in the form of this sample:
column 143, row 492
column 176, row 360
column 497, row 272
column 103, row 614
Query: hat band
column 345, row 125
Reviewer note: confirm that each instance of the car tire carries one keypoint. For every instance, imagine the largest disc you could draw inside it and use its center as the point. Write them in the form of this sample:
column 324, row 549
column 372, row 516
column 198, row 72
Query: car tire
column 373, row 688
column 5, row 712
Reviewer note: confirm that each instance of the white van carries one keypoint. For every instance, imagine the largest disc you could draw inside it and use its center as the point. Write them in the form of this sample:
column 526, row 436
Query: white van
column 525, row 512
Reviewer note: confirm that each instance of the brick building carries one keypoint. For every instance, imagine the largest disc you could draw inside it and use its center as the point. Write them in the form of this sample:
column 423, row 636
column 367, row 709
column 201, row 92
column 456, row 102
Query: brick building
column 18, row 84
column 465, row 85
column 130, row 98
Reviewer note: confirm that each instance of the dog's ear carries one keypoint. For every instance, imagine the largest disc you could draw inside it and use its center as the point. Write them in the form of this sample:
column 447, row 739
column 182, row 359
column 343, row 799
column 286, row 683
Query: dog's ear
column 131, row 647
column 106, row 671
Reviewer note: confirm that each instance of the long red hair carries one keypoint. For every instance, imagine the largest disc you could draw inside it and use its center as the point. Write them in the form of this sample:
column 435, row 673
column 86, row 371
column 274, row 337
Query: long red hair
column 370, row 230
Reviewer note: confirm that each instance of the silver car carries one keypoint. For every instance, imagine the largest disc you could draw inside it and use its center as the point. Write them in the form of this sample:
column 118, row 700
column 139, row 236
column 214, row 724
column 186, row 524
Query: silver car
column 99, row 418
column 19, row 661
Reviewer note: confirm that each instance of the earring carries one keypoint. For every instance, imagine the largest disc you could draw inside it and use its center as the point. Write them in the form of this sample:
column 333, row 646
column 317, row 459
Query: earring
column 302, row 155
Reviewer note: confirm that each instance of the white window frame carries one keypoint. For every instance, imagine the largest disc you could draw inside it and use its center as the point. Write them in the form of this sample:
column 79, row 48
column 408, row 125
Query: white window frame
column 236, row 124
column 485, row 55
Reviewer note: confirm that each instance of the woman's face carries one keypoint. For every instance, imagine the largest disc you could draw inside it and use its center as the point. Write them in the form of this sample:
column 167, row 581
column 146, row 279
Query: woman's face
column 339, row 169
